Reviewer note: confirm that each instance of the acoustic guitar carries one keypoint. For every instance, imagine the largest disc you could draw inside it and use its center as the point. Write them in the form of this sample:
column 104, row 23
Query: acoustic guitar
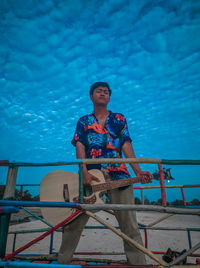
column 63, row 186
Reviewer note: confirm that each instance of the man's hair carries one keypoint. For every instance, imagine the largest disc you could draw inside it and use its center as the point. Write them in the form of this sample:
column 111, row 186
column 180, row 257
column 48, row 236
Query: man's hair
column 99, row 84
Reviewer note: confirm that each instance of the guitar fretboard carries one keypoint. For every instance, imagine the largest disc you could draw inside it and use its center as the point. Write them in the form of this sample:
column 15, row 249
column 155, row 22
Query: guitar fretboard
column 115, row 184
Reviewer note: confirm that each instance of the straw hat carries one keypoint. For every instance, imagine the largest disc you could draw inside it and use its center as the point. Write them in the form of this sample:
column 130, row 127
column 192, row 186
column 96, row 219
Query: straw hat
column 52, row 188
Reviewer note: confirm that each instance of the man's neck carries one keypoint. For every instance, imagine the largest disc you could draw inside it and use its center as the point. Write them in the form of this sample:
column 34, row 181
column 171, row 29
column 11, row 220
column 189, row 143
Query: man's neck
column 101, row 111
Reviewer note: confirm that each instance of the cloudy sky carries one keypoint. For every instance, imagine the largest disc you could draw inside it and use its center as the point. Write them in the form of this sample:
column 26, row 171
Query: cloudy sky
column 52, row 51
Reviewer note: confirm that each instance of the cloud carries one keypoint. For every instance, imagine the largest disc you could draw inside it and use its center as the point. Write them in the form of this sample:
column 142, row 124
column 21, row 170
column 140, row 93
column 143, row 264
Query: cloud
column 52, row 51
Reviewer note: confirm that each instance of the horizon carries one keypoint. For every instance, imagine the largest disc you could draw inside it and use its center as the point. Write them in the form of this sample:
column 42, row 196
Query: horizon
column 172, row 194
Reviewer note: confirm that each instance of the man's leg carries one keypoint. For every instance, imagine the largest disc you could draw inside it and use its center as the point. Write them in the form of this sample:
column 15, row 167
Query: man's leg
column 128, row 224
column 70, row 238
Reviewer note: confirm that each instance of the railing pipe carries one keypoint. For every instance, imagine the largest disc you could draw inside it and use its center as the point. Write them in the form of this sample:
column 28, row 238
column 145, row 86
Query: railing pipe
column 102, row 206
column 37, row 217
column 12, row 175
column 4, row 163
column 104, row 227
column 38, row 204
column 135, row 187
column 107, row 160
column 142, row 196
column 51, row 243
column 189, row 239
column 146, row 238
column 162, row 184
column 145, row 228
column 14, row 242
column 21, row 192
column 183, row 195
column 9, row 256
column 9, row 193
column 81, row 184
column 166, row 186
column 21, row 264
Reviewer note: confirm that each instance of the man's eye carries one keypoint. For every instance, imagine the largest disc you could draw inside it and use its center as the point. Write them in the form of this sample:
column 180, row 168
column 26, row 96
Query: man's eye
column 100, row 91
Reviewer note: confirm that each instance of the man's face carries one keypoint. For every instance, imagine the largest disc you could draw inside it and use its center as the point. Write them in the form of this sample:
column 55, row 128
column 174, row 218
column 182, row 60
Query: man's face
column 100, row 96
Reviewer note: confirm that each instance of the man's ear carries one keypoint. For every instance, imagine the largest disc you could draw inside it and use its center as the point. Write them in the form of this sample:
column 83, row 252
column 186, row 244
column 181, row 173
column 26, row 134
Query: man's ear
column 91, row 97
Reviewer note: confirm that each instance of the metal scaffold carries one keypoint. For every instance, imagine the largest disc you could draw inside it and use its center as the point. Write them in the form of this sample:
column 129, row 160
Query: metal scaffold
column 8, row 205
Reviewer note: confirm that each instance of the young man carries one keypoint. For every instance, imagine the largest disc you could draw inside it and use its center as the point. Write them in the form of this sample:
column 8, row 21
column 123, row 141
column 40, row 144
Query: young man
column 104, row 134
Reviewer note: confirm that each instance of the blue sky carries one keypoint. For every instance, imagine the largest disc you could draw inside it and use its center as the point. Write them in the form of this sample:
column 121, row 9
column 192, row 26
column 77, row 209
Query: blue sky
column 52, row 51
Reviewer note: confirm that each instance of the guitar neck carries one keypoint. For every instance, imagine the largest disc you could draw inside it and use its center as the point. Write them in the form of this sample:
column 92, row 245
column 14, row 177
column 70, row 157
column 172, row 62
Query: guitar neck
column 115, row 184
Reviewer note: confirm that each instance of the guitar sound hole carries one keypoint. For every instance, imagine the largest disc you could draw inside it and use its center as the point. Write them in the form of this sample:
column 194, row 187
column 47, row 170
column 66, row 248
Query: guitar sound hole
column 88, row 190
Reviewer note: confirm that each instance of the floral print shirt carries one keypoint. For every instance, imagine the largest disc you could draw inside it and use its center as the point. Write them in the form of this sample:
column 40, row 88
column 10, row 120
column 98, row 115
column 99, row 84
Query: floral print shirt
column 104, row 143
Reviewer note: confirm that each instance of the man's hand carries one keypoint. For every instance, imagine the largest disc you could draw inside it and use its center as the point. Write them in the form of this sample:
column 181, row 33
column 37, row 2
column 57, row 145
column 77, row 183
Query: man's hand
column 146, row 176
column 88, row 178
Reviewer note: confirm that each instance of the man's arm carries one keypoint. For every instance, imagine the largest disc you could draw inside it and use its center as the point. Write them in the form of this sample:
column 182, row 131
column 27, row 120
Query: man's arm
column 128, row 151
column 80, row 154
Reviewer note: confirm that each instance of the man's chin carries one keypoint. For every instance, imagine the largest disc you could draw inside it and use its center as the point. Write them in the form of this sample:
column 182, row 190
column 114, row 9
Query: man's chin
column 103, row 102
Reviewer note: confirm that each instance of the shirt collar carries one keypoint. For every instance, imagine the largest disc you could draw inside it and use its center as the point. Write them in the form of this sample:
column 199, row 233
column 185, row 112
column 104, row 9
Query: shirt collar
column 93, row 114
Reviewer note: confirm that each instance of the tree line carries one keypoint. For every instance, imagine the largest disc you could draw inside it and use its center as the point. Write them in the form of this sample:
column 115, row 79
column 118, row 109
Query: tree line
column 177, row 202
column 27, row 196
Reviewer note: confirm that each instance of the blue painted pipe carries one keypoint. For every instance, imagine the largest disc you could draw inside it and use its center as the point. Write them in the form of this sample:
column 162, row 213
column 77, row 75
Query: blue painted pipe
column 23, row 264
column 195, row 207
column 37, row 217
column 51, row 244
column 38, row 204
column 8, row 209
column 189, row 239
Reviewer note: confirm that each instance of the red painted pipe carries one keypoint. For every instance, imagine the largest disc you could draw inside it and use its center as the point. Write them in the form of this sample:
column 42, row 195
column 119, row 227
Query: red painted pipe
column 4, row 163
column 9, row 256
column 146, row 238
column 100, row 253
column 117, row 265
column 21, row 192
column 191, row 186
column 183, row 195
column 162, row 184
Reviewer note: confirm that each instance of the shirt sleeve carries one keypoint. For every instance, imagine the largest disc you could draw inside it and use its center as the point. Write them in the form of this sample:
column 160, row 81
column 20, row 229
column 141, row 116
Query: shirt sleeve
column 124, row 134
column 79, row 134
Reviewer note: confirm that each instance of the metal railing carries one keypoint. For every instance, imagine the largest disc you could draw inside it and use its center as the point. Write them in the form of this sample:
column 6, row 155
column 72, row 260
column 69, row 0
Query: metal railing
column 12, row 175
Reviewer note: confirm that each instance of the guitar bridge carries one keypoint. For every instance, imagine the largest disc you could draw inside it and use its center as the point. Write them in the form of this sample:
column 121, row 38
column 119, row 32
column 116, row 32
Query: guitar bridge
column 90, row 200
column 88, row 190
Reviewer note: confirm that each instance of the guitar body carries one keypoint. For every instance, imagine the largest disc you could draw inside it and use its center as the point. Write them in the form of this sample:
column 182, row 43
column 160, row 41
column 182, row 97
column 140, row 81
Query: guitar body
column 62, row 186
